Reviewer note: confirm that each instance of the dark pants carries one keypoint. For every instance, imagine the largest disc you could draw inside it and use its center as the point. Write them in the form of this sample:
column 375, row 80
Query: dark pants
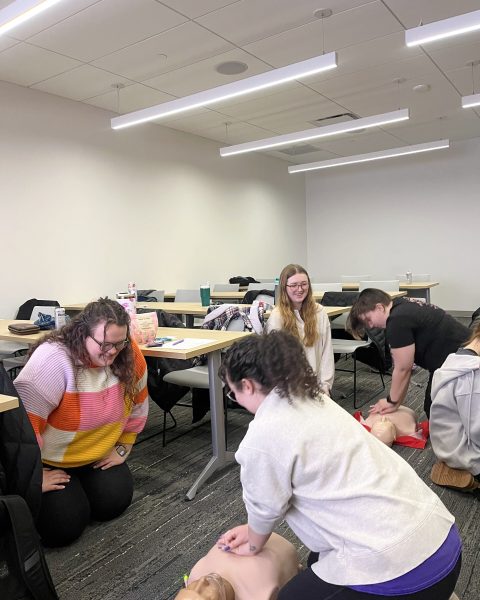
column 308, row 586
column 90, row 494
column 427, row 402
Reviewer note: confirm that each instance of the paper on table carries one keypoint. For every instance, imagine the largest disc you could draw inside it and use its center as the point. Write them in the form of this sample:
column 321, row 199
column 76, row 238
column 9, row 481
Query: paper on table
column 188, row 343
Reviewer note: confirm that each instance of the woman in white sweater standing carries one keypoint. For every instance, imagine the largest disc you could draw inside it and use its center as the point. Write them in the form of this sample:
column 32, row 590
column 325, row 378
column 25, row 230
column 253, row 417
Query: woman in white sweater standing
column 373, row 527
column 299, row 314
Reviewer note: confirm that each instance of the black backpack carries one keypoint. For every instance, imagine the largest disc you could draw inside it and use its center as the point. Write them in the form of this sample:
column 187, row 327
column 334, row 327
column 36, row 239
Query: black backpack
column 24, row 573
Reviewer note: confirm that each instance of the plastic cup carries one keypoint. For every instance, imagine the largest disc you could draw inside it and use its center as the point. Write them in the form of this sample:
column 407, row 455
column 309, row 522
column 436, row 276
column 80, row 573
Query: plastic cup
column 205, row 295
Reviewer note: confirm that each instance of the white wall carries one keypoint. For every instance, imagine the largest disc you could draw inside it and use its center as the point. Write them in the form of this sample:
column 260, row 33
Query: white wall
column 419, row 213
column 86, row 209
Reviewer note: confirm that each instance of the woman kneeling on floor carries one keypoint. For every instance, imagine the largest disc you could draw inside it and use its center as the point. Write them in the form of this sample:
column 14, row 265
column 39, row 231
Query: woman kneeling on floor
column 372, row 525
column 455, row 418
column 84, row 389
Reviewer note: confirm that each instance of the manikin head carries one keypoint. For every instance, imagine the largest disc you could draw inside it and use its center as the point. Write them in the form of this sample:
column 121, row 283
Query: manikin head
column 384, row 430
column 209, row 587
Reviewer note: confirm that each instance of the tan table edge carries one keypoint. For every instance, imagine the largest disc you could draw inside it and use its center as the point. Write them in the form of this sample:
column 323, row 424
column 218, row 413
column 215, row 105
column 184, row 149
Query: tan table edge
column 8, row 402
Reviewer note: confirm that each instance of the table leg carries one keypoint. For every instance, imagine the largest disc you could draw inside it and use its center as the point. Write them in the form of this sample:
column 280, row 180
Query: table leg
column 189, row 321
column 220, row 455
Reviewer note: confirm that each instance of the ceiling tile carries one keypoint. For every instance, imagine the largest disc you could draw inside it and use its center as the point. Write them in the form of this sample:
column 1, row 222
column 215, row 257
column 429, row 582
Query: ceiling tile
column 426, row 11
column 194, row 8
column 106, row 27
column 164, row 52
column 130, row 98
column 55, row 14
column 80, row 83
column 251, row 20
column 202, row 75
column 7, row 42
column 459, row 125
column 24, row 64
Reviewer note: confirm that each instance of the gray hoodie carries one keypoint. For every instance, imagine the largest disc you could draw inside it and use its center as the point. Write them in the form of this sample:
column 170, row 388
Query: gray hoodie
column 455, row 412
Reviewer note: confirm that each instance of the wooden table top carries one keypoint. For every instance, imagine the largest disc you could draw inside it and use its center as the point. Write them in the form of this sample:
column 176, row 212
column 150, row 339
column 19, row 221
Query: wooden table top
column 415, row 285
column 8, row 402
column 196, row 309
column 237, row 296
column 217, row 340
column 8, row 336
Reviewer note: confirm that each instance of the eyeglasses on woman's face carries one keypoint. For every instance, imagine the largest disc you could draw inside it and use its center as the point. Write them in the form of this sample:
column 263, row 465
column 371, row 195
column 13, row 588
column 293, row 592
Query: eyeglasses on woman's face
column 303, row 285
column 107, row 346
column 231, row 396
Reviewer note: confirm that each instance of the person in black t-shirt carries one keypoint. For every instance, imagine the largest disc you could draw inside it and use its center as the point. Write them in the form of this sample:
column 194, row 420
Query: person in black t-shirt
column 416, row 332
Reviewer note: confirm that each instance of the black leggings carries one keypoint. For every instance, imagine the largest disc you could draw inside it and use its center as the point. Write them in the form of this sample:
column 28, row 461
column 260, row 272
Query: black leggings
column 90, row 494
column 308, row 586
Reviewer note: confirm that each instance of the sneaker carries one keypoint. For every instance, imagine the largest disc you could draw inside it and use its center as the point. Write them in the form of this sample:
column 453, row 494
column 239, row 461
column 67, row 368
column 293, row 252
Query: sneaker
column 456, row 479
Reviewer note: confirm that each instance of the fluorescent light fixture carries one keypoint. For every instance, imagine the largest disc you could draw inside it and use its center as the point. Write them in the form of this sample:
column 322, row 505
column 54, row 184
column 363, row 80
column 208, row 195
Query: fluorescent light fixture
column 469, row 101
column 443, row 29
column 360, row 158
column 317, row 132
column 229, row 90
column 20, row 11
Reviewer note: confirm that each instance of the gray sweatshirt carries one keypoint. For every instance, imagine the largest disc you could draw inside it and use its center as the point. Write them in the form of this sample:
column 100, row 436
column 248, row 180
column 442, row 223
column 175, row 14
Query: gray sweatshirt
column 455, row 412
column 343, row 493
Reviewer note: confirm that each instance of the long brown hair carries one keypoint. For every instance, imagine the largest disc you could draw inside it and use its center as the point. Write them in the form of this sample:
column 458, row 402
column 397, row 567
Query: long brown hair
column 74, row 334
column 308, row 311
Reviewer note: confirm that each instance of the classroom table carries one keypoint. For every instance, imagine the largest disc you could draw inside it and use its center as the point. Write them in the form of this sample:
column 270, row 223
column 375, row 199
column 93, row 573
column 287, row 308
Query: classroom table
column 7, row 402
column 195, row 309
column 416, row 288
column 236, row 297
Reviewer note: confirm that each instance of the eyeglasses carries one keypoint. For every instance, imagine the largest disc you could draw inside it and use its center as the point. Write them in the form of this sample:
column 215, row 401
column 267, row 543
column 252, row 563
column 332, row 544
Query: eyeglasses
column 107, row 346
column 295, row 286
column 231, row 396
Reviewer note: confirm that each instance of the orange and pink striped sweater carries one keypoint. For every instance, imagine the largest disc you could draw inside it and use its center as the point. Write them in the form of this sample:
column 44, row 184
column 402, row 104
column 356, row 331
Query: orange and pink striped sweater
column 79, row 414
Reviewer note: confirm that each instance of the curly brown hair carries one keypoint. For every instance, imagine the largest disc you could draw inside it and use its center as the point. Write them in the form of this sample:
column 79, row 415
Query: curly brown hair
column 308, row 312
column 73, row 336
column 275, row 360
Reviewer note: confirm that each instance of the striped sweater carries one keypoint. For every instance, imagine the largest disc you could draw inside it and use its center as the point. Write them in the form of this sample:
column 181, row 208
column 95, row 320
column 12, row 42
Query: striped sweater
column 79, row 414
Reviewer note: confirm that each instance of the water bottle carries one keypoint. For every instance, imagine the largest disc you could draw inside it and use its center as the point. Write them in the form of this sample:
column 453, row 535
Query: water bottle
column 60, row 319
column 277, row 290
column 409, row 276
column 132, row 289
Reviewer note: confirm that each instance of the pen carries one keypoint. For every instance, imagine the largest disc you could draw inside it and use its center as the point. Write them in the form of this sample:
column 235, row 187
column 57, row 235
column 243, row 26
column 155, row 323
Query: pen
column 177, row 342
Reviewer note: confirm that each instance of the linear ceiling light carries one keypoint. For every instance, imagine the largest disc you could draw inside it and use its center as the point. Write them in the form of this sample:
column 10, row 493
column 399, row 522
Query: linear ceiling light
column 317, row 132
column 229, row 90
column 359, row 158
column 443, row 29
column 469, row 101
column 20, row 11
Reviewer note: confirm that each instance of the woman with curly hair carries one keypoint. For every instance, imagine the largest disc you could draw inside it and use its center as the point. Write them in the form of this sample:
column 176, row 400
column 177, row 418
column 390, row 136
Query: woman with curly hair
column 85, row 391
column 373, row 527
column 299, row 314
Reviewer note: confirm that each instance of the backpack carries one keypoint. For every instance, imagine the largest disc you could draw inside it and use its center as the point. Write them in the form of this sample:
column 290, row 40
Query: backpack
column 24, row 573
column 242, row 280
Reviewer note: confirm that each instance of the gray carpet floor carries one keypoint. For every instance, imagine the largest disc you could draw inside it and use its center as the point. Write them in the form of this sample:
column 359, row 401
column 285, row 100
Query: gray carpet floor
column 144, row 554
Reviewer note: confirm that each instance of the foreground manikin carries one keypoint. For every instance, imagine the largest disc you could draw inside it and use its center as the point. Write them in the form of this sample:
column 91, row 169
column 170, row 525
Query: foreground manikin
column 221, row 574
column 372, row 525
column 387, row 428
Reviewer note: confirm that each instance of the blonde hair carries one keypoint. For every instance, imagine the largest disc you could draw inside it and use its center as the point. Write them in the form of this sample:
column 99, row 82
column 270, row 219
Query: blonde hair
column 308, row 311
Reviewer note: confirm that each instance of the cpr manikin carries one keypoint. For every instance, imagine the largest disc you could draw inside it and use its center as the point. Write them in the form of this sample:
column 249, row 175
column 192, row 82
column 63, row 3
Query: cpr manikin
column 387, row 428
column 224, row 575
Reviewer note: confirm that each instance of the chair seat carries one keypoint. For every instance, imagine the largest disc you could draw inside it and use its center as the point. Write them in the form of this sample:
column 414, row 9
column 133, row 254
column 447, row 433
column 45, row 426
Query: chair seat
column 15, row 362
column 195, row 377
column 341, row 346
